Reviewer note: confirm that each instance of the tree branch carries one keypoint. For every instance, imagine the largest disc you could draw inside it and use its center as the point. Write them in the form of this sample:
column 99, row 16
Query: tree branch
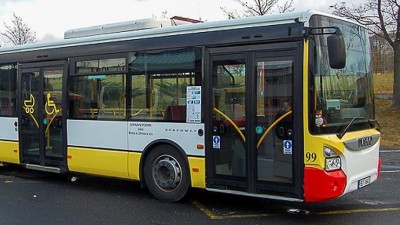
column 382, row 23
column 18, row 33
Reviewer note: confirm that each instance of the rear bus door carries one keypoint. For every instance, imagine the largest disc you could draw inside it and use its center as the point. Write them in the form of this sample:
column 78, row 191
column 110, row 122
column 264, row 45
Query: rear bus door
column 41, row 116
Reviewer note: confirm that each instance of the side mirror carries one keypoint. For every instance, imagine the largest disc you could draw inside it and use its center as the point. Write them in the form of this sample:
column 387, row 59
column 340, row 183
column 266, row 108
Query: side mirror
column 336, row 51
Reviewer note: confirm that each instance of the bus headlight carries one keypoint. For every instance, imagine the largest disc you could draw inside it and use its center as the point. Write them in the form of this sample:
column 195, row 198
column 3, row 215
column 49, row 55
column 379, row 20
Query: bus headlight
column 332, row 160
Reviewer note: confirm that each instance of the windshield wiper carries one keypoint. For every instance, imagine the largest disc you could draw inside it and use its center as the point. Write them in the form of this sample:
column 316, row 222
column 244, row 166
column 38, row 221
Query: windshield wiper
column 344, row 131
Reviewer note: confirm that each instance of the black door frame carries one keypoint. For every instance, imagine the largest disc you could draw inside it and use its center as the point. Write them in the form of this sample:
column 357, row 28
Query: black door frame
column 60, row 163
column 291, row 49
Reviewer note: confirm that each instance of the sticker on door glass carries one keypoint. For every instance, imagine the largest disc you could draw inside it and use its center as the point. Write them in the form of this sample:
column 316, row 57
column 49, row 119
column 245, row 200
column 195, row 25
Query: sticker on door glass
column 259, row 130
column 217, row 142
column 287, row 147
column 29, row 105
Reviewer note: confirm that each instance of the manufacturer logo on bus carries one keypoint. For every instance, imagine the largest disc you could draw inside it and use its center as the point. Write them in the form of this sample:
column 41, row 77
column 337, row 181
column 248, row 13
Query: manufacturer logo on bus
column 365, row 142
column 361, row 143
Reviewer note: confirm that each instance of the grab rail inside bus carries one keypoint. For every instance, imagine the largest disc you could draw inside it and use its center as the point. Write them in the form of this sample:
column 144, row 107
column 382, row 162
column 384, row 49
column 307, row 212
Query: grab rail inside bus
column 232, row 123
column 271, row 126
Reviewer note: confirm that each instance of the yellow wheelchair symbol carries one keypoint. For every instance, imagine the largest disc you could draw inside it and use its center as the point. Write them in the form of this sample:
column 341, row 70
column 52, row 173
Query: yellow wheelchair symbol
column 50, row 104
column 29, row 105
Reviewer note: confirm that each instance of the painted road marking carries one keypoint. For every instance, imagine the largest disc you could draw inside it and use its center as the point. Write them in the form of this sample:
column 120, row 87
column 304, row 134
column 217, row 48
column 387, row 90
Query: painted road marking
column 389, row 151
column 210, row 214
column 10, row 179
column 391, row 171
column 352, row 211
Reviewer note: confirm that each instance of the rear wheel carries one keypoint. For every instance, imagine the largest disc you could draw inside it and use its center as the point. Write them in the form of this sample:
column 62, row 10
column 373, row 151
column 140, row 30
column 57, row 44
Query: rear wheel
column 166, row 174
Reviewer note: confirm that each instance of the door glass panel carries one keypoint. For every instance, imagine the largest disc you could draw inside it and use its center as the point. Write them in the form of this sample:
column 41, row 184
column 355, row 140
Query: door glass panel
column 52, row 113
column 41, row 116
column 229, row 119
column 274, row 124
column 30, row 132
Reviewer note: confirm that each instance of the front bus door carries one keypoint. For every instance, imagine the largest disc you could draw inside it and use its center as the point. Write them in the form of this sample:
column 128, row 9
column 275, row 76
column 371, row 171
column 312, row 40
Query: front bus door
column 41, row 116
column 252, row 139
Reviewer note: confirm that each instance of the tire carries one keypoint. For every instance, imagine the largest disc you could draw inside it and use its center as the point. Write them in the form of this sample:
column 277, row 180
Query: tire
column 166, row 174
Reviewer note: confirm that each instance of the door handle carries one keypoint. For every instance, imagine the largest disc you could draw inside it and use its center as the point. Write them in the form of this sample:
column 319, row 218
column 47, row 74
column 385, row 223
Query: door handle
column 281, row 131
column 24, row 121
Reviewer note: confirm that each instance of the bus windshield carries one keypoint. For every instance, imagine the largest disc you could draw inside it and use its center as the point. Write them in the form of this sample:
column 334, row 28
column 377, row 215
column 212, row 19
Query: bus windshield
column 342, row 95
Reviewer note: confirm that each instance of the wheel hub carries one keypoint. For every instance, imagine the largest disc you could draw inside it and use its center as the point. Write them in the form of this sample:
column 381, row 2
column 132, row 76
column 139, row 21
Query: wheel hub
column 167, row 173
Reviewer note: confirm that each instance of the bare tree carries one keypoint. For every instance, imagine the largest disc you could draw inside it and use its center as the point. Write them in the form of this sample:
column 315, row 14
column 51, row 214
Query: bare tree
column 286, row 7
column 382, row 19
column 382, row 55
column 18, row 32
column 258, row 8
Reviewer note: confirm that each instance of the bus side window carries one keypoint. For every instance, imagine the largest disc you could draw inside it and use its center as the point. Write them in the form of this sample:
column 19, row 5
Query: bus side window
column 159, row 82
column 98, row 97
column 8, row 81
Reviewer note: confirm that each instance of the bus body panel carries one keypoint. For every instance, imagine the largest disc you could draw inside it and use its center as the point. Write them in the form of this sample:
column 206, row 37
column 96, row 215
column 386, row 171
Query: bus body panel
column 361, row 164
column 123, row 142
column 98, row 162
column 186, row 135
column 197, row 172
column 97, row 134
column 9, row 146
column 355, row 166
column 9, row 152
column 134, row 165
column 9, row 128
column 320, row 185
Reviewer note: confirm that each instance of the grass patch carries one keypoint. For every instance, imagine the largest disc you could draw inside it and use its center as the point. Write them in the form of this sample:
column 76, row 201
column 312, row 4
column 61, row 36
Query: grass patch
column 388, row 119
column 390, row 122
column 383, row 83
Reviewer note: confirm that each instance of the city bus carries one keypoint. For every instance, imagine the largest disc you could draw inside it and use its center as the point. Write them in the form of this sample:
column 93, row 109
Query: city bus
column 276, row 106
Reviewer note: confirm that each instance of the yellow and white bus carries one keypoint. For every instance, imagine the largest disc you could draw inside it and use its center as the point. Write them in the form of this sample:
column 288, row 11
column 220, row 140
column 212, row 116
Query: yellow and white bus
column 278, row 106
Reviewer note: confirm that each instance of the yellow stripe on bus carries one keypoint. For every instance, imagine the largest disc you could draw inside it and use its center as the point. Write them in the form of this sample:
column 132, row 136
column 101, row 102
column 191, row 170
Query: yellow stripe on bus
column 134, row 165
column 197, row 172
column 9, row 152
column 98, row 162
column 123, row 164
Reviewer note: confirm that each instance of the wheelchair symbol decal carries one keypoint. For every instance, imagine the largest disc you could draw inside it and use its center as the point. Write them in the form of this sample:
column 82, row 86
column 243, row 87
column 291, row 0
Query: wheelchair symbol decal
column 50, row 106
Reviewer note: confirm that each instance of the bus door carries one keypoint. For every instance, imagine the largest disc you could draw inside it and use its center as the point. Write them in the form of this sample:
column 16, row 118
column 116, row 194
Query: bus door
column 41, row 116
column 253, row 146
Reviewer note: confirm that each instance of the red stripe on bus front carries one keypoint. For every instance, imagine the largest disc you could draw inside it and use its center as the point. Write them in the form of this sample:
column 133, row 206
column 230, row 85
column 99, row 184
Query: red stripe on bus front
column 320, row 185
column 379, row 167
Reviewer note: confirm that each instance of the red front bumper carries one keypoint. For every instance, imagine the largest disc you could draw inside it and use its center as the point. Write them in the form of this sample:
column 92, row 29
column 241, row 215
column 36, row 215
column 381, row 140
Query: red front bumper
column 320, row 185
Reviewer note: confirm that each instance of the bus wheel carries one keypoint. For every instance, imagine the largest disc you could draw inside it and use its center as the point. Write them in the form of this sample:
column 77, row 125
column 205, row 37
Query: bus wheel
column 166, row 174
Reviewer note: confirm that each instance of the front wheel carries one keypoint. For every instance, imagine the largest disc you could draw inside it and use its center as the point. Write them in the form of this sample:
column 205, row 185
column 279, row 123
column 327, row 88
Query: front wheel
column 166, row 174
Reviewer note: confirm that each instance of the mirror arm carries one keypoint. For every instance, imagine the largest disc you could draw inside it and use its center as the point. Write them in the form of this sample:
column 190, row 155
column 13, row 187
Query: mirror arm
column 308, row 31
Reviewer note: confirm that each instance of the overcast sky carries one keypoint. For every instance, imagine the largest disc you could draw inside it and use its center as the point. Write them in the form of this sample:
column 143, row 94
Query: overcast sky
column 51, row 18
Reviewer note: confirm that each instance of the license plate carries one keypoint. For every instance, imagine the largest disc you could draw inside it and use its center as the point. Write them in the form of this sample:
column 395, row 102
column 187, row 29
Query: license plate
column 364, row 182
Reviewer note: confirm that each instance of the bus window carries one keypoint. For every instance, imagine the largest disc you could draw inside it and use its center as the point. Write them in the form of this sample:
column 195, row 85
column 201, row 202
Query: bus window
column 229, row 118
column 274, row 113
column 159, row 81
column 98, row 97
column 8, row 78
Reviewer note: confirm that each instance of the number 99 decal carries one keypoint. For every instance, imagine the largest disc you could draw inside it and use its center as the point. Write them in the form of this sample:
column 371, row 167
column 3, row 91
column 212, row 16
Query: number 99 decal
column 311, row 156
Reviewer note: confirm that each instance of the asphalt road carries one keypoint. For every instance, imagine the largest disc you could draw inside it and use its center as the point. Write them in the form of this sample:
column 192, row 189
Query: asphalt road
column 30, row 197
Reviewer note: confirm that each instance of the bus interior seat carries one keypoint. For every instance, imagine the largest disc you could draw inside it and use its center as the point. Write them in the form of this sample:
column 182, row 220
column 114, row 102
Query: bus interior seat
column 175, row 113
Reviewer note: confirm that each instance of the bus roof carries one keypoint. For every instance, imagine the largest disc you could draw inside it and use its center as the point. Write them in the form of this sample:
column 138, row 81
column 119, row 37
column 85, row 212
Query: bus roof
column 266, row 20
column 119, row 27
